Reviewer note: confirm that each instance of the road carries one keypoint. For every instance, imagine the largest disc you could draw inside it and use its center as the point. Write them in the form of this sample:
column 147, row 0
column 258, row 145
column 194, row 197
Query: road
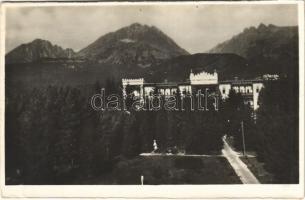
column 239, row 167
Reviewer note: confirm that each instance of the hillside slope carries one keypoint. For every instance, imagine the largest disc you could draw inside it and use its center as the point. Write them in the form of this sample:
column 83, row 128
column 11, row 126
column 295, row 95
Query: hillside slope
column 178, row 69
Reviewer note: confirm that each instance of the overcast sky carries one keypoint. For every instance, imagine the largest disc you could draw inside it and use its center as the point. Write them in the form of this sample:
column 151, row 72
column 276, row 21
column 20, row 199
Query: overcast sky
column 194, row 28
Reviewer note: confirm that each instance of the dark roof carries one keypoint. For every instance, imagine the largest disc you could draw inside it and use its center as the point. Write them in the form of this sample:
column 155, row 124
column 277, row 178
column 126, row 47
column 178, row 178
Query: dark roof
column 241, row 82
column 167, row 84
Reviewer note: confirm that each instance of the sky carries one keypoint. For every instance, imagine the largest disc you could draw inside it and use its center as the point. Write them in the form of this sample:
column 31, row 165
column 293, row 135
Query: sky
column 196, row 28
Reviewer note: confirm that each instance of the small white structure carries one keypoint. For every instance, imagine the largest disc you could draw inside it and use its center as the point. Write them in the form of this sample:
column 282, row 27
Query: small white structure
column 271, row 77
column 155, row 146
column 142, row 180
column 203, row 78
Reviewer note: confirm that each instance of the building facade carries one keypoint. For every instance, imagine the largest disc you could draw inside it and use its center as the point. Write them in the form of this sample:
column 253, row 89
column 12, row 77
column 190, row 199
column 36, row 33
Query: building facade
column 249, row 89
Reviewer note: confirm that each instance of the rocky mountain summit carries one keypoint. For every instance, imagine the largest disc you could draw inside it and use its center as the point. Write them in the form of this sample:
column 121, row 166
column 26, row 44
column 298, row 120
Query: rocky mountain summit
column 36, row 50
column 269, row 48
column 266, row 41
column 136, row 44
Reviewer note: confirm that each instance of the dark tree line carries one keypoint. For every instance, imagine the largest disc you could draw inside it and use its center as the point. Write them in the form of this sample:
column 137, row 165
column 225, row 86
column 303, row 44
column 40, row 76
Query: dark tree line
column 272, row 131
column 53, row 136
column 277, row 130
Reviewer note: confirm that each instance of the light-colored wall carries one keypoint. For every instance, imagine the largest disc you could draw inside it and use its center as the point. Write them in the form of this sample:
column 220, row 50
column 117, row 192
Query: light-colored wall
column 136, row 82
column 136, row 93
column 200, row 79
column 254, row 89
column 226, row 89
column 173, row 91
column 148, row 90
column 167, row 91
column 186, row 88
column 203, row 78
column 257, row 87
column 249, row 89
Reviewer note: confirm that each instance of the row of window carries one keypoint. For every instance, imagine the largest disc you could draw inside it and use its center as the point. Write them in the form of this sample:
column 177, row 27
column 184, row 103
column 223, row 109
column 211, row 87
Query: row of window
column 242, row 91
column 184, row 90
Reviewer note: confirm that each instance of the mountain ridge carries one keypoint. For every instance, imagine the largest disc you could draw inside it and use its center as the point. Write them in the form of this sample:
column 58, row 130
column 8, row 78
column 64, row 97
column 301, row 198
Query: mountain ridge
column 36, row 50
column 270, row 48
column 253, row 52
column 136, row 44
column 250, row 34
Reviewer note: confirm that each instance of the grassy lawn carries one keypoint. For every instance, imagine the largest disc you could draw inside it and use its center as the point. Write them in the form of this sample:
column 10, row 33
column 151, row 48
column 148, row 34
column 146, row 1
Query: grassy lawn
column 175, row 170
column 257, row 168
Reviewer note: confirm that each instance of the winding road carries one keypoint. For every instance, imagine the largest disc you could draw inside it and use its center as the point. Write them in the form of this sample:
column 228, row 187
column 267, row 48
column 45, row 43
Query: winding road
column 239, row 167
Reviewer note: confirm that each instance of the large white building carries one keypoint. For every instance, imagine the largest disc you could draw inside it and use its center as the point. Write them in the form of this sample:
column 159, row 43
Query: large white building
column 249, row 89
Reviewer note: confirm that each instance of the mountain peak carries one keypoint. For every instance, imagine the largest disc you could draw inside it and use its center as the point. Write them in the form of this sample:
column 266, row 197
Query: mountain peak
column 136, row 44
column 135, row 28
column 36, row 50
column 39, row 40
column 136, row 25
column 273, row 49
column 262, row 26
column 272, row 26
column 264, row 37
column 139, row 26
